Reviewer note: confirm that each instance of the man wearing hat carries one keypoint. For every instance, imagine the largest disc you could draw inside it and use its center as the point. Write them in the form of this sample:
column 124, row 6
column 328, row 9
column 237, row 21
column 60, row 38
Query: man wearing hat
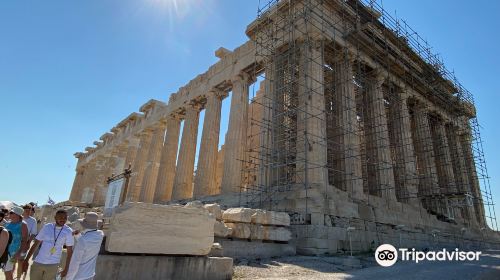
column 88, row 245
column 19, row 244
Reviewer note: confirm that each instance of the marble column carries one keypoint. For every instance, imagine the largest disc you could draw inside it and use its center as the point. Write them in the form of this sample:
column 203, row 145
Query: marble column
column 460, row 170
column 166, row 173
column 116, row 161
column 133, row 146
column 138, row 167
column 443, row 159
column 347, row 150
column 152, row 163
column 405, row 168
column 311, row 144
column 236, row 134
column 76, row 190
column 466, row 142
column 87, row 187
column 183, row 183
column 379, row 167
column 99, row 182
column 122, row 157
column 428, row 179
column 266, row 126
column 207, row 162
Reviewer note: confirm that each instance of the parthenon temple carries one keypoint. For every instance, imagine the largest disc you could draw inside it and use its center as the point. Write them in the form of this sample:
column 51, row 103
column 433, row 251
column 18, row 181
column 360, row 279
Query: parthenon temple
column 339, row 114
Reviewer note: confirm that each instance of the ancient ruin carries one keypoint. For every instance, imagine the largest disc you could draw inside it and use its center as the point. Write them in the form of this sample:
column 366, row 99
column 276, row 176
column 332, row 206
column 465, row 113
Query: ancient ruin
column 357, row 131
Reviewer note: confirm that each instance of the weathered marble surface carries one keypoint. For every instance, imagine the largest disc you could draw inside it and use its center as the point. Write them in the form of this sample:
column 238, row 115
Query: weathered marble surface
column 161, row 229
column 221, row 229
column 238, row 215
column 264, row 217
column 215, row 210
column 240, row 230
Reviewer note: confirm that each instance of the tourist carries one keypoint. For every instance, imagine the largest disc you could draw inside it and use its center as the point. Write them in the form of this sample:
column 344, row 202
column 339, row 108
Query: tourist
column 19, row 244
column 4, row 241
column 5, row 217
column 32, row 232
column 52, row 237
column 88, row 245
column 2, row 219
column 30, row 221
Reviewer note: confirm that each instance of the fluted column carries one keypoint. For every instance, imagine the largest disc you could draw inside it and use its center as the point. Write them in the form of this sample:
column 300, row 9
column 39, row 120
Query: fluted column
column 153, row 164
column 102, row 171
column 466, row 142
column 120, row 158
column 380, row 170
column 311, row 120
column 207, row 161
column 347, row 149
column 236, row 134
column 428, row 180
column 443, row 159
column 88, row 178
column 76, row 190
column 138, row 167
column 446, row 176
column 183, row 183
column 459, row 169
column 133, row 147
column 265, row 129
column 405, row 168
column 166, row 173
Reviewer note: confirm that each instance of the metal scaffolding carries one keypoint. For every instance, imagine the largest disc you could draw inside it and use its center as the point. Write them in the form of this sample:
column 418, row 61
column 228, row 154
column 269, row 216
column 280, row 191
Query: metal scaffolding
column 353, row 98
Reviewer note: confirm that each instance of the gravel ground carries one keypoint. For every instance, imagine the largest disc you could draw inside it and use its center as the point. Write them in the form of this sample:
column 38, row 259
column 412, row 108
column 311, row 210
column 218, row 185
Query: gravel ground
column 305, row 268
column 296, row 267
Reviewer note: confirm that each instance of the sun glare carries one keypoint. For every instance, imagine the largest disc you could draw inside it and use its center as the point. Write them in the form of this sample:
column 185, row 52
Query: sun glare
column 175, row 8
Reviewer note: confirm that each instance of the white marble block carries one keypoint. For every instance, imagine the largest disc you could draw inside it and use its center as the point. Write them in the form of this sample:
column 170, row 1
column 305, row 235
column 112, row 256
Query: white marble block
column 240, row 230
column 264, row 217
column 221, row 230
column 161, row 229
column 276, row 233
column 214, row 209
column 256, row 232
column 238, row 215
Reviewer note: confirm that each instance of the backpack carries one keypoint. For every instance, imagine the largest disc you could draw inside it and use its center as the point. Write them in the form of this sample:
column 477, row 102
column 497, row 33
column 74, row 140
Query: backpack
column 5, row 256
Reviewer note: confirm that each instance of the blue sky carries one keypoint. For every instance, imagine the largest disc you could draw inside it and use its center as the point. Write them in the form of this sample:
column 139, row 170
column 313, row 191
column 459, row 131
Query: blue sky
column 71, row 70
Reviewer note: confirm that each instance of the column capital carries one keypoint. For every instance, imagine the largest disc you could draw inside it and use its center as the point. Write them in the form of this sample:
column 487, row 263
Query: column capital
column 161, row 124
column 242, row 77
column 193, row 105
column 377, row 76
column 174, row 116
column 347, row 56
column 215, row 92
column 420, row 107
column 441, row 118
column 403, row 93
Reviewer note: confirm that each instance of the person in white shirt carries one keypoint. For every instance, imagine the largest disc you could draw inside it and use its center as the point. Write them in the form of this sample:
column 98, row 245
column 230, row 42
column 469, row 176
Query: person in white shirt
column 32, row 232
column 30, row 221
column 52, row 237
column 88, row 245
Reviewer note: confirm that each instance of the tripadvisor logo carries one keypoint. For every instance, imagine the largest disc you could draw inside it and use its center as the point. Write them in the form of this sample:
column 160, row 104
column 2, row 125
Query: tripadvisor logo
column 387, row 255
